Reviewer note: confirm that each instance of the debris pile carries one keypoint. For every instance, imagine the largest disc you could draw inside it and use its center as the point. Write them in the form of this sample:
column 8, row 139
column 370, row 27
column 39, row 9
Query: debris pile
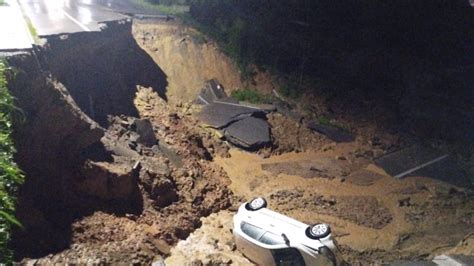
column 242, row 125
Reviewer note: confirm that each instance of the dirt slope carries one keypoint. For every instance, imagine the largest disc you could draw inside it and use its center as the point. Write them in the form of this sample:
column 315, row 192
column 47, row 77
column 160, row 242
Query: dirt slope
column 186, row 58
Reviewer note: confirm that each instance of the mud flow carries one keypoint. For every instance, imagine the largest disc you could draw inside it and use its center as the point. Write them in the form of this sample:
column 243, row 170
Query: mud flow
column 119, row 168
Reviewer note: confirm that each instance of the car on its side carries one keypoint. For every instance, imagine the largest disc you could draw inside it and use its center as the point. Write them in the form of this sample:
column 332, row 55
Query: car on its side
column 270, row 238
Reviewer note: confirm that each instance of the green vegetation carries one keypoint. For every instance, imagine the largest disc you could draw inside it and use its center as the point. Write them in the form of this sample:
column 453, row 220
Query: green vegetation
column 2, row 3
column 10, row 175
column 32, row 30
column 164, row 7
column 250, row 95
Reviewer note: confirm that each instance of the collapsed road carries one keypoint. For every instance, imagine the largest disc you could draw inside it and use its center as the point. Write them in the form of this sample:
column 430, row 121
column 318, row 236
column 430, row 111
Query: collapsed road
column 102, row 187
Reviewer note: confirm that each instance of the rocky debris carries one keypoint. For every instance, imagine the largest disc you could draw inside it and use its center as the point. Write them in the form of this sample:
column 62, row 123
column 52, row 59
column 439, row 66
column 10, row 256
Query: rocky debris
column 363, row 177
column 178, row 125
column 212, row 244
column 249, row 133
column 334, row 133
column 326, row 168
column 289, row 135
column 107, row 181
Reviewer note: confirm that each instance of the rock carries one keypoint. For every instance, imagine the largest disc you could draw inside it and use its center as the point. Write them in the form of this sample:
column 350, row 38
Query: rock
column 122, row 149
column 144, row 129
column 170, row 154
column 107, row 180
column 162, row 246
column 154, row 175
column 404, row 202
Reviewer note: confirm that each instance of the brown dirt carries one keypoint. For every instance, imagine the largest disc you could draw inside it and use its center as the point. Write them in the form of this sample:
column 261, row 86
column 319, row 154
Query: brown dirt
column 212, row 244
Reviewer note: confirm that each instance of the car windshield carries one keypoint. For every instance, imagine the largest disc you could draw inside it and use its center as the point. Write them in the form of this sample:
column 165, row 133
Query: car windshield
column 287, row 257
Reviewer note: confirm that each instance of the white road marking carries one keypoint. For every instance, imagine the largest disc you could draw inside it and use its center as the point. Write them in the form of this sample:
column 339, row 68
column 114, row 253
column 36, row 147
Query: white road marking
column 239, row 105
column 202, row 99
column 76, row 21
column 421, row 166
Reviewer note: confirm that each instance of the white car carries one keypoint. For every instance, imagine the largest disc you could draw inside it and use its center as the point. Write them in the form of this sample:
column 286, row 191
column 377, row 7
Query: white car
column 269, row 238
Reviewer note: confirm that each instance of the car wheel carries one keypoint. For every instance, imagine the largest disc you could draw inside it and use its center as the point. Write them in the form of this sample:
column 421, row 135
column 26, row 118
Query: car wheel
column 317, row 231
column 256, row 204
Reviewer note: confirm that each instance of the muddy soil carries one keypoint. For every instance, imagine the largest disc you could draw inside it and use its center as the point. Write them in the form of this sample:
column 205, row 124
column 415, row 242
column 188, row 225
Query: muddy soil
column 305, row 175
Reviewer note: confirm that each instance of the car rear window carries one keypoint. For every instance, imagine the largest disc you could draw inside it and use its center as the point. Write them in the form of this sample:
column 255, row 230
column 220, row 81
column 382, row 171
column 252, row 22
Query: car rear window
column 259, row 234
column 251, row 230
column 271, row 239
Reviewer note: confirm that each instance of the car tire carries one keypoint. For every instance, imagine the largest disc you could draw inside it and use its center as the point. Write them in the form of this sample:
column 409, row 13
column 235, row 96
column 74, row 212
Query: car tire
column 317, row 231
column 256, row 204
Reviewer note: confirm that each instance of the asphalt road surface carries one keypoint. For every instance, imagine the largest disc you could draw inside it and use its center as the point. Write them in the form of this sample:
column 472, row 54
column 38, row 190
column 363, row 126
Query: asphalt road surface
column 67, row 16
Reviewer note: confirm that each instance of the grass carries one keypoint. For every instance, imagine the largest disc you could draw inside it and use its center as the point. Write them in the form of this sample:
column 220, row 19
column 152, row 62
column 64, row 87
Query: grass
column 11, row 176
column 164, row 9
column 250, row 95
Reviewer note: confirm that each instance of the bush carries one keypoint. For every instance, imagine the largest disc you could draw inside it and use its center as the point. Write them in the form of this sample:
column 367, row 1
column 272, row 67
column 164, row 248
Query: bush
column 249, row 95
column 10, row 175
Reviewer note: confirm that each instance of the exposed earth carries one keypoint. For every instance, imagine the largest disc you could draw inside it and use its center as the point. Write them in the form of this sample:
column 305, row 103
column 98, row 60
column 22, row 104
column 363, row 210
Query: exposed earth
column 182, row 183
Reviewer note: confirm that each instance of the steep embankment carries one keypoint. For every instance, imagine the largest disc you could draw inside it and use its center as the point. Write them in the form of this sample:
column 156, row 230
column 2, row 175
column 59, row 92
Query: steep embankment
column 186, row 58
column 122, row 191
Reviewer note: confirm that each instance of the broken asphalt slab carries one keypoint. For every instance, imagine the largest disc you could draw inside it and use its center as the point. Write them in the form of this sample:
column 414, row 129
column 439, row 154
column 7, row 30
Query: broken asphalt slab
column 454, row 260
column 419, row 160
column 249, row 133
column 334, row 133
column 221, row 115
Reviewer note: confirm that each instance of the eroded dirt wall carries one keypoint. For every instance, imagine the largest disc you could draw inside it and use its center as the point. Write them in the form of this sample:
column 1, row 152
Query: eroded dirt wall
column 53, row 138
